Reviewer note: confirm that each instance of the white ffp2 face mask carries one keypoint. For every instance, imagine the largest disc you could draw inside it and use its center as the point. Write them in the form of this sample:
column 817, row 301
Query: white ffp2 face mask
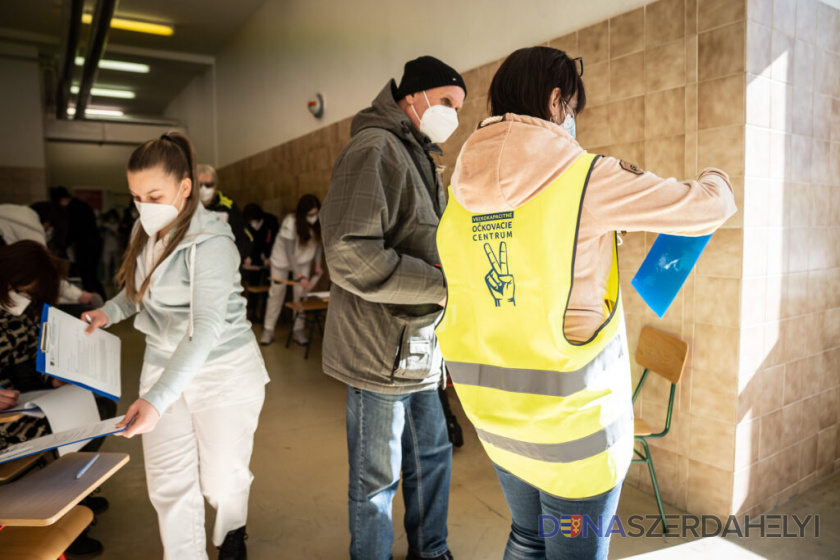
column 569, row 125
column 438, row 122
column 154, row 217
column 18, row 304
column 312, row 219
column 205, row 194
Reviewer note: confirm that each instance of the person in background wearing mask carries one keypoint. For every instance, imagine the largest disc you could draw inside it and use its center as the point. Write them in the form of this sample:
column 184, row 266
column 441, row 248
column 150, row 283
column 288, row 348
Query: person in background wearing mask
column 296, row 249
column 82, row 238
column 29, row 278
column 378, row 223
column 533, row 334
column 213, row 199
column 263, row 228
column 18, row 223
column 202, row 385
column 111, row 251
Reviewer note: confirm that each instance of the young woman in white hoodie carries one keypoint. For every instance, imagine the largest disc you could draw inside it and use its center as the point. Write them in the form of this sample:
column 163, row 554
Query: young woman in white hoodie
column 203, row 380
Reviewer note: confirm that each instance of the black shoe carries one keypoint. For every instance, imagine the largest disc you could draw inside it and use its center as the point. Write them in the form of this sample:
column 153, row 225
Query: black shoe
column 445, row 556
column 97, row 505
column 234, row 546
column 84, row 547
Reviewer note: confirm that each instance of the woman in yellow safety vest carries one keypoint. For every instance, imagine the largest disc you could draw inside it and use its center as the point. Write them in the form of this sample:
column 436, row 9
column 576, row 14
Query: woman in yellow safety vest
column 533, row 333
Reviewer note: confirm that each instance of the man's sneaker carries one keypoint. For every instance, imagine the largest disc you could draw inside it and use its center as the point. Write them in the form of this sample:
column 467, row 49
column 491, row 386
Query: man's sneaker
column 299, row 336
column 445, row 556
column 84, row 547
column 267, row 337
column 234, row 546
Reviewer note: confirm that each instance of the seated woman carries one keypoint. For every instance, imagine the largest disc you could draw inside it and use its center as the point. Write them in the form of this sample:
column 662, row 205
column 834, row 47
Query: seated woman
column 29, row 278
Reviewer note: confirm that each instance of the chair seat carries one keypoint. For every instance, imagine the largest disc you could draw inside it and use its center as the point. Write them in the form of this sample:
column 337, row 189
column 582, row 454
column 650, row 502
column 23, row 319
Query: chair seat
column 641, row 428
column 44, row 543
column 257, row 289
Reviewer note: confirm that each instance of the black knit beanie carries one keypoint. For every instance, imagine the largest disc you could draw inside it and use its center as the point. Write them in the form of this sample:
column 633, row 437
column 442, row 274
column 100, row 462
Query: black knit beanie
column 427, row 72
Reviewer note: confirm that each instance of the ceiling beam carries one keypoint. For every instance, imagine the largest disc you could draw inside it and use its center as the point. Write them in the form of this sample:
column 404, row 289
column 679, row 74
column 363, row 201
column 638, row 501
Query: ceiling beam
column 100, row 28
column 72, row 15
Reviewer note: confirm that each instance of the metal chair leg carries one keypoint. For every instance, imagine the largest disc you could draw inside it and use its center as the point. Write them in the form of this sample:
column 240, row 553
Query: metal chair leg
column 649, row 461
column 309, row 342
column 292, row 329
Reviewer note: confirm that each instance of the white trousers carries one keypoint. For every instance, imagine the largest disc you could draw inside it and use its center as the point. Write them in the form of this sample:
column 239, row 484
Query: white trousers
column 276, row 296
column 196, row 454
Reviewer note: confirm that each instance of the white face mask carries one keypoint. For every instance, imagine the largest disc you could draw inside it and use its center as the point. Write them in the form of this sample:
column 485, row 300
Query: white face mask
column 205, row 194
column 312, row 219
column 18, row 304
column 569, row 125
column 438, row 122
column 155, row 217
column 256, row 225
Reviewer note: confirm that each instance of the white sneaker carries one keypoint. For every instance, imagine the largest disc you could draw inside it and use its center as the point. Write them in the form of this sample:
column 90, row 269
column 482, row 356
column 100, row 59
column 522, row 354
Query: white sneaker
column 300, row 337
column 267, row 337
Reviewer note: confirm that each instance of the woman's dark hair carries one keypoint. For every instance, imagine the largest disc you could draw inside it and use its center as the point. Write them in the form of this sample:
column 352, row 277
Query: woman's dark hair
column 28, row 264
column 305, row 231
column 252, row 211
column 174, row 153
column 525, row 80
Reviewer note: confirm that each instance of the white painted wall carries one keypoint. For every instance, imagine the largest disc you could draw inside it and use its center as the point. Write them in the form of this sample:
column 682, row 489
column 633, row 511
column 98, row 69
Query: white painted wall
column 193, row 108
column 21, row 122
column 347, row 51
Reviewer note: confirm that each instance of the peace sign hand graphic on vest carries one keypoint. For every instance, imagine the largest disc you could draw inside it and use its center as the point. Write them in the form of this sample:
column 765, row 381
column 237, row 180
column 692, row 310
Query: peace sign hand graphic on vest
column 499, row 280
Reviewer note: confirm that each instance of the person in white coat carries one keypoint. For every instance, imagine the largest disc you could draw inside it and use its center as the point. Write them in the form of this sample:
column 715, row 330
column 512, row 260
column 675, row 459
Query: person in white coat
column 297, row 249
column 202, row 385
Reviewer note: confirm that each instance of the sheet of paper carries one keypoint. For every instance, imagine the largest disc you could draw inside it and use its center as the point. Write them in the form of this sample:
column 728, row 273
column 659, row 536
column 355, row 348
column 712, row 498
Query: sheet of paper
column 320, row 295
column 66, row 408
column 57, row 440
column 26, row 406
column 66, row 352
column 666, row 268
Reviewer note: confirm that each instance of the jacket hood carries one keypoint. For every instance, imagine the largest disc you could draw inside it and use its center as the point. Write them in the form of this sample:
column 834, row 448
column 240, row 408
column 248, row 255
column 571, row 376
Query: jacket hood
column 19, row 222
column 204, row 225
column 385, row 113
column 509, row 160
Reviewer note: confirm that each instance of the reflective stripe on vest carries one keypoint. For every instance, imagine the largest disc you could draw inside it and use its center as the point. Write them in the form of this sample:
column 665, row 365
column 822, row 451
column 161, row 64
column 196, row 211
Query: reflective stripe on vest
column 553, row 412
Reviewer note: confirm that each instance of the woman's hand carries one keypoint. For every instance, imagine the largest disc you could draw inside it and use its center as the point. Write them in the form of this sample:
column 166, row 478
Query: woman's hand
column 145, row 417
column 318, row 270
column 8, row 398
column 85, row 298
column 306, row 284
column 96, row 319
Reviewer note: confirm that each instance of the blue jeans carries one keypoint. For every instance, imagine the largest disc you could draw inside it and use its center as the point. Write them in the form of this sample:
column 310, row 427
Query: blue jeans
column 528, row 503
column 387, row 434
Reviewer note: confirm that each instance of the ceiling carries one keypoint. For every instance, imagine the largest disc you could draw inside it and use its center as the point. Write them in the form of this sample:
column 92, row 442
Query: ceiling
column 201, row 29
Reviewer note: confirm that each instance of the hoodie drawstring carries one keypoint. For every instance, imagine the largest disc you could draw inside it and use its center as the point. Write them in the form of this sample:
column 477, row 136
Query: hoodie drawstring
column 192, row 288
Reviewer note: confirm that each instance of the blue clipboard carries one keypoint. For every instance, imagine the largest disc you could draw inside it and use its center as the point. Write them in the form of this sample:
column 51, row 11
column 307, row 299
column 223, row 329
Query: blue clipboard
column 41, row 358
column 666, row 268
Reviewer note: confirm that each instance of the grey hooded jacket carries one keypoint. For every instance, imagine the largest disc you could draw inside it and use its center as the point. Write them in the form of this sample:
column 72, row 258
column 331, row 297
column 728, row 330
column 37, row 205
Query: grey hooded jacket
column 378, row 223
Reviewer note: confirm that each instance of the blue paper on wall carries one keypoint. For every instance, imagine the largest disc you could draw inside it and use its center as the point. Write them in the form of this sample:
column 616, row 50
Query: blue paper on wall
column 666, row 268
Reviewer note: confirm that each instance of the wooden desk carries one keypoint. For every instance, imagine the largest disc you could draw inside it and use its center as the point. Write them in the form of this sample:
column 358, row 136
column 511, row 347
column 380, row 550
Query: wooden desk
column 315, row 307
column 285, row 281
column 45, row 543
column 44, row 497
column 13, row 469
column 5, row 419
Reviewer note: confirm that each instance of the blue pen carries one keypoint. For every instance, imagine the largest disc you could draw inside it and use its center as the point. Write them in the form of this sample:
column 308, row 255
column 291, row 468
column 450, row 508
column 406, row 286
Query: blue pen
column 87, row 466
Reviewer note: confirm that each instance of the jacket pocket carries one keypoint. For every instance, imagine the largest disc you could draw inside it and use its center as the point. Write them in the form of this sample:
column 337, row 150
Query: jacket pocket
column 417, row 348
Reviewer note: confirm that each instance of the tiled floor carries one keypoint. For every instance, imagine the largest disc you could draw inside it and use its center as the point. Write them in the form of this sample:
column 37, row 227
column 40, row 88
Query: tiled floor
column 298, row 500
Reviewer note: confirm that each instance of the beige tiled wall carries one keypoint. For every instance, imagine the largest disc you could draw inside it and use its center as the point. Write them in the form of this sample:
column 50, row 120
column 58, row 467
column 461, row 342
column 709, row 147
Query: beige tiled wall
column 22, row 185
column 787, row 434
column 672, row 87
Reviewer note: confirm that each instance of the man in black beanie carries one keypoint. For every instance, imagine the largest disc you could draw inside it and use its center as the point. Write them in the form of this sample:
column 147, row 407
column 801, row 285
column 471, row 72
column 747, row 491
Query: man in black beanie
column 378, row 225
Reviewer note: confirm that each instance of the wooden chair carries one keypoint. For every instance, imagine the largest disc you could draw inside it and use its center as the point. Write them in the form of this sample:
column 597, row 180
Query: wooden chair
column 261, row 293
column 13, row 470
column 664, row 355
column 44, row 543
column 312, row 311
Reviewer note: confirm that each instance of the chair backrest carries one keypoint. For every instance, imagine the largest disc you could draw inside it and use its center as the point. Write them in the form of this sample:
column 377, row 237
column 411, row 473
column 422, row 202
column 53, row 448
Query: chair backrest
column 662, row 353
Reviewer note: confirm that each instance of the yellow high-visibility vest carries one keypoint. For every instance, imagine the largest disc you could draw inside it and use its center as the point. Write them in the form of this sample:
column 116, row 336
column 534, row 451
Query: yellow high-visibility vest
column 557, row 414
